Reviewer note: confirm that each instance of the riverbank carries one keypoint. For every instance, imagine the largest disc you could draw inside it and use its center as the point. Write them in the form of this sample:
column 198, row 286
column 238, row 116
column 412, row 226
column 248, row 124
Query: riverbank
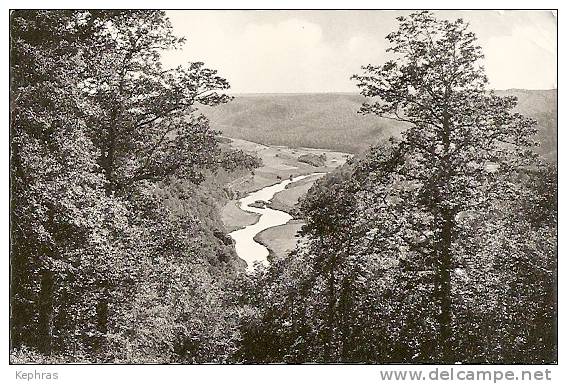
column 279, row 164
column 256, row 202
column 282, row 239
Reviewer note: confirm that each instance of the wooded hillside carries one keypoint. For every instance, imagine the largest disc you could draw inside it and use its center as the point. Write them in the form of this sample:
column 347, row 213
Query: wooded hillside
column 331, row 121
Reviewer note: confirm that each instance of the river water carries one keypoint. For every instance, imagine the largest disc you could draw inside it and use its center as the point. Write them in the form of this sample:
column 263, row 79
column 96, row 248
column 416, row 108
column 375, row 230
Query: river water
column 246, row 247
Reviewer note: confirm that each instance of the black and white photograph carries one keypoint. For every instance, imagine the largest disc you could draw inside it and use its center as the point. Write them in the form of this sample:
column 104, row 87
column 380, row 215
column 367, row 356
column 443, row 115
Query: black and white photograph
column 283, row 186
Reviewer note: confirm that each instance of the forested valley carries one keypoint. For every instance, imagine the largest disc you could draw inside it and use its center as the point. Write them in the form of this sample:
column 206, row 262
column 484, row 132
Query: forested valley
column 438, row 245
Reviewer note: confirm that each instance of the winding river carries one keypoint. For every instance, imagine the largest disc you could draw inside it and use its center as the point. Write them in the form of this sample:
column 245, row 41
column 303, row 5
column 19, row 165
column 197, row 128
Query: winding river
column 247, row 248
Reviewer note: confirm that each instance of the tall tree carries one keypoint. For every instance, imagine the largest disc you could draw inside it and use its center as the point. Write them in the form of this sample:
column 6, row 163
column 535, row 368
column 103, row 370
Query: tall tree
column 145, row 123
column 99, row 130
column 461, row 143
column 57, row 205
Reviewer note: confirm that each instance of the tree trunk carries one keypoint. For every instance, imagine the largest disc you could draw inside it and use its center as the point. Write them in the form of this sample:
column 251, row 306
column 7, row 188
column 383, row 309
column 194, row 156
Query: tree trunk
column 345, row 308
column 108, row 166
column 45, row 309
column 102, row 319
column 444, row 290
column 108, row 162
column 329, row 353
column 444, row 257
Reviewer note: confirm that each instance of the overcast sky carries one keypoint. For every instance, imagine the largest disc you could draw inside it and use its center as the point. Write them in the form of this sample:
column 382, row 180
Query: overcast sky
column 318, row 51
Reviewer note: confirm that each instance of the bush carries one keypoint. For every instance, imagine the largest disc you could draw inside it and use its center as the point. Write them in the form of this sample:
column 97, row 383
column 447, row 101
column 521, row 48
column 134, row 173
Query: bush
column 314, row 160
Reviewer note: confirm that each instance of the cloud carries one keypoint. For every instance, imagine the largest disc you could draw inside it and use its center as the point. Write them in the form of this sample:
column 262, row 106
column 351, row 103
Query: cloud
column 281, row 56
column 291, row 33
column 294, row 56
column 524, row 58
column 291, row 55
column 265, row 51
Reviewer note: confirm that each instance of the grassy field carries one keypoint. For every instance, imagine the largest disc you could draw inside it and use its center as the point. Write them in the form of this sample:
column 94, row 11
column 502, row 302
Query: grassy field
column 280, row 240
column 234, row 218
column 287, row 199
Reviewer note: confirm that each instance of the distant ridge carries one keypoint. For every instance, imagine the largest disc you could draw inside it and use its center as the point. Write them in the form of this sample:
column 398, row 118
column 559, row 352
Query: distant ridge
column 330, row 120
column 257, row 94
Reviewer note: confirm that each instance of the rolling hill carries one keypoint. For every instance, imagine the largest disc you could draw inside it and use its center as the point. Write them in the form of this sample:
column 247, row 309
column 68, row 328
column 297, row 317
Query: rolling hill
column 331, row 120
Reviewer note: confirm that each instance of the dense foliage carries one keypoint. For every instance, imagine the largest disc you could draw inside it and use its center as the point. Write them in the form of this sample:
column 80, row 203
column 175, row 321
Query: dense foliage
column 437, row 247
column 117, row 251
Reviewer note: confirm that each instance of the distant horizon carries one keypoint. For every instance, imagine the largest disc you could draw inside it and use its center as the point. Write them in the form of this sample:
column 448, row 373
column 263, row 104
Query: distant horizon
column 356, row 93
